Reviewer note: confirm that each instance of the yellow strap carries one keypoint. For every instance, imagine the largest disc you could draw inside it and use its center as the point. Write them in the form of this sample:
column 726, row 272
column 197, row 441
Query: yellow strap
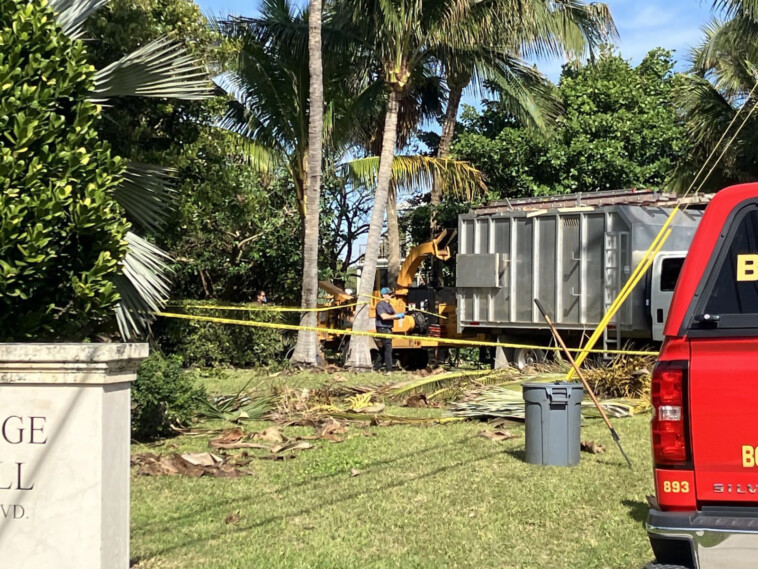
column 642, row 268
column 427, row 339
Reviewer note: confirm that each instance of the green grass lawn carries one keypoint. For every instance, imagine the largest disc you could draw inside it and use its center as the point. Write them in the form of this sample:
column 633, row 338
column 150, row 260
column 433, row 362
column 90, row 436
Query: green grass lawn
column 426, row 496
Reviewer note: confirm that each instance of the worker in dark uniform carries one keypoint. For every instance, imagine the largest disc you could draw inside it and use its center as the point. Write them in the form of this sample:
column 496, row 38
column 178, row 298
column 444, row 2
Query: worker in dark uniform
column 385, row 314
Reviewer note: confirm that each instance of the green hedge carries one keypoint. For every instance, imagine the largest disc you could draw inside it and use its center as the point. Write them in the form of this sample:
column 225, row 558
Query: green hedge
column 202, row 343
column 163, row 395
column 61, row 232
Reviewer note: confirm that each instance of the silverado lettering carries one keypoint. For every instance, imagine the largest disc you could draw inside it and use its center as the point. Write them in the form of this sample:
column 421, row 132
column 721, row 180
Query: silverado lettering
column 735, row 488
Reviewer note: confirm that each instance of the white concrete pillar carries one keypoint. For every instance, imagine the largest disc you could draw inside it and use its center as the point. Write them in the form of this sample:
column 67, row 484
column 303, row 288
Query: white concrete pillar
column 64, row 454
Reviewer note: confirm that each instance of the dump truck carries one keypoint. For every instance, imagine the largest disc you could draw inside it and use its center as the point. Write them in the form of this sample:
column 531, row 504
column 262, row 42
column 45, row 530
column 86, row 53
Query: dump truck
column 574, row 253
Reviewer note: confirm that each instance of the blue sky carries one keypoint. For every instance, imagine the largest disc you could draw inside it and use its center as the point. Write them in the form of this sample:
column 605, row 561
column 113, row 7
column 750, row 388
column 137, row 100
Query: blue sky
column 642, row 24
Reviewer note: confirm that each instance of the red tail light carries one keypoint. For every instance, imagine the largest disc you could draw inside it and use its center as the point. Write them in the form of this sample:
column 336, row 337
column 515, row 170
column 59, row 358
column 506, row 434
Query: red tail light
column 668, row 393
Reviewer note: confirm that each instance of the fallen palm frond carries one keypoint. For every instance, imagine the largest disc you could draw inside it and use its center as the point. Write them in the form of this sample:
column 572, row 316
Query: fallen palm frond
column 494, row 402
column 338, row 390
column 626, row 376
column 243, row 405
column 383, row 419
column 452, row 384
column 508, row 403
column 620, row 407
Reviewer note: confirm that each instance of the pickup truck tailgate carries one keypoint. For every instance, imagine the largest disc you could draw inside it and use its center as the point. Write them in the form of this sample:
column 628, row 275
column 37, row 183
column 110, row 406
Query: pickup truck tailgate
column 723, row 392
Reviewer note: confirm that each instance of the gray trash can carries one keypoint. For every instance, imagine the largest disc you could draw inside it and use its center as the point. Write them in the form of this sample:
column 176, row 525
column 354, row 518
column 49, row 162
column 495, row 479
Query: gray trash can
column 553, row 421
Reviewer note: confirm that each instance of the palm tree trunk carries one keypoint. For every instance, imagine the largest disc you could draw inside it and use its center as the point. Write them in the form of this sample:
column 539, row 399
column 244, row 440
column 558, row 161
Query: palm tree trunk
column 359, row 355
column 306, row 349
column 446, row 140
column 393, row 237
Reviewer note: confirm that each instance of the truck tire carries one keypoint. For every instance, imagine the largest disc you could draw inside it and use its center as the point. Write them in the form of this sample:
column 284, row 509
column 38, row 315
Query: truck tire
column 523, row 357
column 655, row 565
column 413, row 359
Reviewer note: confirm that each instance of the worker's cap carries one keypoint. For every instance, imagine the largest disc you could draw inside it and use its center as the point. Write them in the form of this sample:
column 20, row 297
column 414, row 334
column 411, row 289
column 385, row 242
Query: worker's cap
column 386, row 290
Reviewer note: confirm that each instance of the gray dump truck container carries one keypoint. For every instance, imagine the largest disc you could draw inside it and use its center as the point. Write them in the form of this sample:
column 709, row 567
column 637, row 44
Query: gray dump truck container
column 574, row 259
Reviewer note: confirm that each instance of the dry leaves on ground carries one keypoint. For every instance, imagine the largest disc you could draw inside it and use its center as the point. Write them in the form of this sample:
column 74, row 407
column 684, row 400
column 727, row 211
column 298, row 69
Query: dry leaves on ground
column 418, row 400
column 233, row 439
column 237, row 439
column 330, row 429
column 592, row 447
column 193, row 465
column 272, row 434
column 497, row 436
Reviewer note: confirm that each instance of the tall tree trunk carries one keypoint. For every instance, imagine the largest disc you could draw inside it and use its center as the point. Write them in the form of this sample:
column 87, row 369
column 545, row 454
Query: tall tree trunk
column 393, row 237
column 359, row 354
column 306, row 349
column 446, row 140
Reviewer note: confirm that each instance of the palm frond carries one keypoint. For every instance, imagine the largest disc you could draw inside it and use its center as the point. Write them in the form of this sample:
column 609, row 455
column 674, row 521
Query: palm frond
column 732, row 8
column 145, row 194
column 161, row 69
column 71, row 14
column 527, row 94
column 434, row 383
column 455, row 176
column 142, row 285
column 724, row 56
column 571, row 27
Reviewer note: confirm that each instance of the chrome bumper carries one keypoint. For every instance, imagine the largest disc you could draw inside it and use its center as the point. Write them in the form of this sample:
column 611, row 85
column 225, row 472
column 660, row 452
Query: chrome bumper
column 719, row 538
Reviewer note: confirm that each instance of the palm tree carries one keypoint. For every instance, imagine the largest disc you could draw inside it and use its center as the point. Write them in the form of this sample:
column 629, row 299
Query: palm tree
column 160, row 69
column 422, row 101
column 402, row 36
column 270, row 111
column 507, row 31
column 719, row 91
column 306, row 349
column 278, row 109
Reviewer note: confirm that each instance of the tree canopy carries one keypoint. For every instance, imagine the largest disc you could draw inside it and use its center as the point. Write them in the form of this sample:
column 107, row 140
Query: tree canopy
column 620, row 130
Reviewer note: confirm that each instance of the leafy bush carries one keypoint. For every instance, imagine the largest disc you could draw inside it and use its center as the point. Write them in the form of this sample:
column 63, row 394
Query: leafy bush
column 163, row 395
column 61, row 233
column 212, row 344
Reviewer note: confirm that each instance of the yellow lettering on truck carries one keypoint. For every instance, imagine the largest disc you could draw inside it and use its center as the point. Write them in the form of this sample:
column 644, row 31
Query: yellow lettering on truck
column 748, row 456
column 747, row 267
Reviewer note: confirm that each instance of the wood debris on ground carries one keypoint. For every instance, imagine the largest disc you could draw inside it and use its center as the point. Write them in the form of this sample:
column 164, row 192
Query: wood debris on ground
column 193, row 465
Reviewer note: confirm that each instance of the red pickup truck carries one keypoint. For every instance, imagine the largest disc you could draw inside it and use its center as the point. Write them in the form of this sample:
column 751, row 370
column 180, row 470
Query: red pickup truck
column 705, row 397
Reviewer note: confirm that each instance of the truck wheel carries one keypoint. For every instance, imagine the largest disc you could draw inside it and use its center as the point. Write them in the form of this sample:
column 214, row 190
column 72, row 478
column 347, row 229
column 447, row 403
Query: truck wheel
column 523, row 357
column 655, row 565
column 420, row 358
column 413, row 360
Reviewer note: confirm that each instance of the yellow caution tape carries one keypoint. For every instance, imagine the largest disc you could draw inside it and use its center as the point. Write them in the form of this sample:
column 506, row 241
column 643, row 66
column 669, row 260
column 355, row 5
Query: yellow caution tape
column 268, row 308
column 427, row 339
column 425, row 312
